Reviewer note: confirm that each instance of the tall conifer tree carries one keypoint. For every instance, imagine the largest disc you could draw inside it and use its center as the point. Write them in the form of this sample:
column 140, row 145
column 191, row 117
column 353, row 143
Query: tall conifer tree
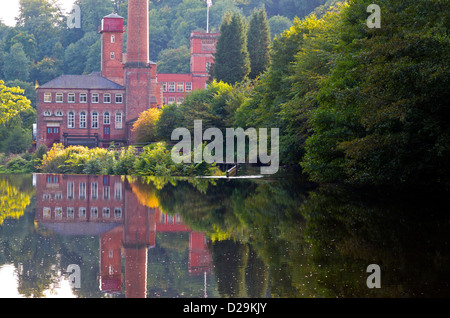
column 232, row 63
column 258, row 42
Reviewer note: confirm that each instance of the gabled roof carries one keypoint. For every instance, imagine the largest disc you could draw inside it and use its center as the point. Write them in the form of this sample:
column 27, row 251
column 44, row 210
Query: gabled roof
column 91, row 81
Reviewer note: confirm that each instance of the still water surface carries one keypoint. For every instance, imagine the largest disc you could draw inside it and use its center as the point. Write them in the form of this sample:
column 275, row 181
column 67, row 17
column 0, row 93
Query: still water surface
column 180, row 237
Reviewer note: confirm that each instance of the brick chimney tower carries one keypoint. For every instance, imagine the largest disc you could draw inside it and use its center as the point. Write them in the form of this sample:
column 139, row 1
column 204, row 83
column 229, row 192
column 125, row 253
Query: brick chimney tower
column 112, row 48
column 137, row 68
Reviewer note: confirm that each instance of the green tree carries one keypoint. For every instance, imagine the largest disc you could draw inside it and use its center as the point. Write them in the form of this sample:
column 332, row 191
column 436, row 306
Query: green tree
column 174, row 60
column 41, row 19
column 258, row 42
column 17, row 64
column 168, row 121
column 12, row 102
column 382, row 115
column 232, row 62
column 278, row 24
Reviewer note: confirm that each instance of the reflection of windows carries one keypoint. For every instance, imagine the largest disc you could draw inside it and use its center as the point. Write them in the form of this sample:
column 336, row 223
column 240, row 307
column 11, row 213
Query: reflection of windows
column 94, row 190
column 82, row 190
column 106, row 213
column 70, row 213
column 106, row 192
column 118, row 190
column 82, row 213
column 70, row 190
column 94, row 213
column 117, row 213
column 58, row 213
column 47, row 213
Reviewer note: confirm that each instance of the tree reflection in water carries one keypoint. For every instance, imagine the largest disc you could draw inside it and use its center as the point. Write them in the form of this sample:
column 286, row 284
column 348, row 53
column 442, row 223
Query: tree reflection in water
column 183, row 237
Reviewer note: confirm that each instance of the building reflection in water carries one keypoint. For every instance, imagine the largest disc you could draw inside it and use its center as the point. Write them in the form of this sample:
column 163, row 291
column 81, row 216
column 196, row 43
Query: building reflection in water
column 107, row 206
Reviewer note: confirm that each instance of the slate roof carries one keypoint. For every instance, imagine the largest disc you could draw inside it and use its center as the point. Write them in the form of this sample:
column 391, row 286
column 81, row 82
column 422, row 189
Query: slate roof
column 91, row 81
column 113, row 15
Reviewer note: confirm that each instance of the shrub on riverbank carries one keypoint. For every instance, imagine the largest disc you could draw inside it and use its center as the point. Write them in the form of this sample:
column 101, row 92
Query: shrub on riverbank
column 154, row 160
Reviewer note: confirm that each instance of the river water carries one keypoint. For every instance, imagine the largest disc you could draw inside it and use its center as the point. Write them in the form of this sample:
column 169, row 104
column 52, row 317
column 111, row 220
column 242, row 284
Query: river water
column 270, row 237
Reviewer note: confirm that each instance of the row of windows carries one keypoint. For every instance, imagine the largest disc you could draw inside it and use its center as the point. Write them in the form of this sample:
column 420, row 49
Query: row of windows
column 83, row 98
column 82, row 213
column 171, row 100
column 178, row 87
column 82, row 116
column 94, row 191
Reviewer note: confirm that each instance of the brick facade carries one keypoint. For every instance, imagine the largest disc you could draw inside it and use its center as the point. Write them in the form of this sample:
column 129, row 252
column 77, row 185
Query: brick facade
column 97, row 109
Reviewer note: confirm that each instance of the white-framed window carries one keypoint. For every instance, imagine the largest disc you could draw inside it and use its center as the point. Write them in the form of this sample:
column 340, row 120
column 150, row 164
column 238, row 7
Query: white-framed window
column 94, row 212
column 47, row 97
column 180, row 87
column 112, row 55
column 70, row 213
column 106, row 191
column 47, row 113
column 95, row 98
column 180, row 100
column 58, row 196
column 58, row 113
column 94, row 190
column 71, row 120
column 119, row 98
column 188, row 86
column 171, row 87
column 82, row 189
column 106, row 213
column 83, row 123
column 59, row 97
column 94, row 120
column 82, row 213
column 171, row 100
column 71, row 98
column 164, row 100
column 164, row 86
column 83, row 98
column 106, row 118
column 70, row 190
column 47, row 213
column 119, row 120
column 117, row 213
column 113, row 39
column 107, row 98
column 58, row 212
column 118, row 190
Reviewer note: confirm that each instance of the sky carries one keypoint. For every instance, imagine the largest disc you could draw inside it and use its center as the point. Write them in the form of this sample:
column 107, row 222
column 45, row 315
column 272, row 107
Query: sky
column 9, row 9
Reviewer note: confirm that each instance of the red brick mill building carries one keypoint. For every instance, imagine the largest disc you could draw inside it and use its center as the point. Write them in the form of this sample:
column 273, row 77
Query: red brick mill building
column 100, row 108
